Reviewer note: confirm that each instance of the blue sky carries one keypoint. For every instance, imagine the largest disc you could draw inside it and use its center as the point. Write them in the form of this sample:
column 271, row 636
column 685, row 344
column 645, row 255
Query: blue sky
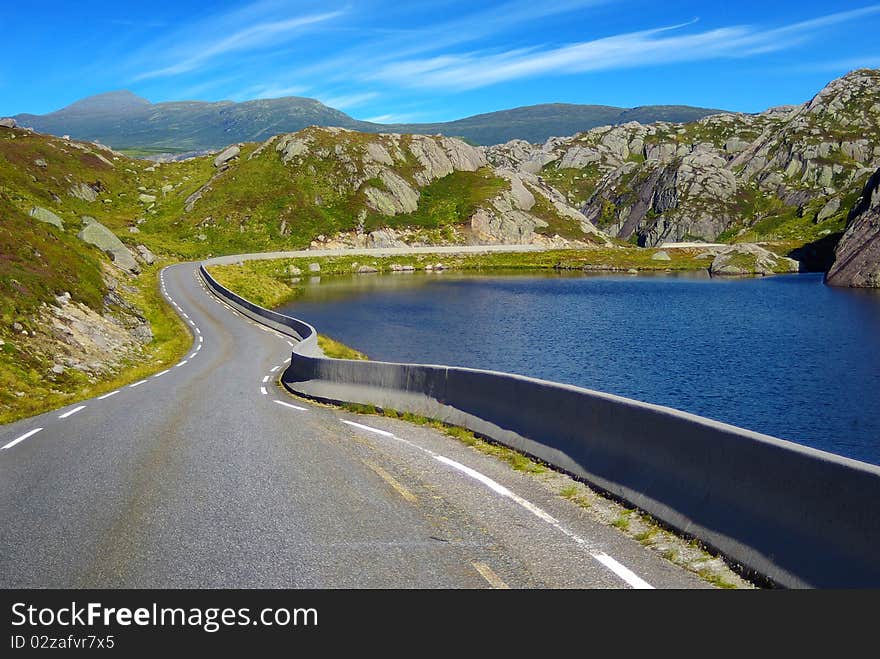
column 434, row 61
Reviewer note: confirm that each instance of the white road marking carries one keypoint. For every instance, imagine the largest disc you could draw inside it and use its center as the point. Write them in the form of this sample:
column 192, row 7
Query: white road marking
column 191, row 356
column 112, row 393
column 291, row 406
column 200, row 338
column 384, row 433
column 287, row 361
column 290, row 343
column 266, row 379
column 620, row 570
column 137, row 384
column 497, row 487
column 192, row 323
column 185, row 316
column 198, row 347
column 198, row 331
column 158, row 375
column 623, row 572
column 275, row 368
column 22, row 438
column 71, row 412
column 263, row 391
column 182, row 363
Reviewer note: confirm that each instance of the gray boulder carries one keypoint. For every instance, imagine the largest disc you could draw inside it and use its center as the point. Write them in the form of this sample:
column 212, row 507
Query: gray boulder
column 7, row 122
column 748, row 259
column 146, row 198
column 101, row 237
column 226, row 156
column 83, row 191
column 661, row 256
column 47, row 216
column 145, row 254
column 828, row 210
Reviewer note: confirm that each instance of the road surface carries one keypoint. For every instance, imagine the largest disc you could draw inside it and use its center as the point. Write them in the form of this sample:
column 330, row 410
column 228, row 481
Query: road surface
column 210, row 475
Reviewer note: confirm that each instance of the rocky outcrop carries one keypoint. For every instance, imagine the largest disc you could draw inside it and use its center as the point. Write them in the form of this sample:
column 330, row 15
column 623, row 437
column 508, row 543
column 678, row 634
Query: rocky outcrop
column 83, row 191
column 145, row 255
column 47, row 216
column 227, row 155
column 748, row 259
column 673, row 182
column 390, row 171
column 440, row 156
column 8, row 122
column 395, row 197
column 857, row 257
column 101, row 237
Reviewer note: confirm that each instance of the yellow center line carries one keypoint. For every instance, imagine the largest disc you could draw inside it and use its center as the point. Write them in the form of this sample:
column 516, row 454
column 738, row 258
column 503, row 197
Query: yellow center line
column 489, row 575
column 388, row 478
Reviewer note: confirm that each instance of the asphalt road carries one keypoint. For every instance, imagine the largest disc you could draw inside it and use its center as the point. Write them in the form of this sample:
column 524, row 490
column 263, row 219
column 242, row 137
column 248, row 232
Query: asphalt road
column 211, row 475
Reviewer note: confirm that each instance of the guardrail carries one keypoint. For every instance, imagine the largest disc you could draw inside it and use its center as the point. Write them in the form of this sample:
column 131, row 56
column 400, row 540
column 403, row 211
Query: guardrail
column 797, row 516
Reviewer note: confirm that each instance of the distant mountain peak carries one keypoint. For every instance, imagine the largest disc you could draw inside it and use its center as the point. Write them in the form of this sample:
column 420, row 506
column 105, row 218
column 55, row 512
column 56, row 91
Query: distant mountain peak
column 115, row 101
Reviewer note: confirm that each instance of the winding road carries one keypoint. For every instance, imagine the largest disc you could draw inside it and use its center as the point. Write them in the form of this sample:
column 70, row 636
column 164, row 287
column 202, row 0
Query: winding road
column 210, row 475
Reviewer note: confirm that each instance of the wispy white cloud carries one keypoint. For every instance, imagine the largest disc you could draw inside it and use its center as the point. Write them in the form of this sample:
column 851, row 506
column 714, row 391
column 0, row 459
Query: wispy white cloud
column 252, row 28
column 393, row 118
column 635, row 49
column 468, row 27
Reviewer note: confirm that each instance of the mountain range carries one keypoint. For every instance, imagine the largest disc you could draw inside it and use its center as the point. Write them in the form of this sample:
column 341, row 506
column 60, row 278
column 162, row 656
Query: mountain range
column 129, row 122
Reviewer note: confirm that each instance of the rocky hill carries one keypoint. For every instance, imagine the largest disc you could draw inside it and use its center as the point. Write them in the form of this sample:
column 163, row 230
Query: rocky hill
column 857, row 257
column 335, row 187
column 786, row 173
column 129, row 122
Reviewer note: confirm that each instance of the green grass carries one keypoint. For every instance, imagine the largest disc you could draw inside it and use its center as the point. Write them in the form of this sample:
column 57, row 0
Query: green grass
column 622, row 521
column 336, row 350
column 448, row 201
column 577, row 185
column 255, row 283
column 715, row 579
column 569, row 492
column 558, row 224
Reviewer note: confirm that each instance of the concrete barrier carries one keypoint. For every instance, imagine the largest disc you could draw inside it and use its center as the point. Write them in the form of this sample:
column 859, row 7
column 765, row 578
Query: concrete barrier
column 798, row 516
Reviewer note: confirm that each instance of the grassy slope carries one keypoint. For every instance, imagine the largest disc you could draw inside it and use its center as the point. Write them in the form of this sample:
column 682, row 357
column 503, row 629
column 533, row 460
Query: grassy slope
column 261, row 204
column 39, row 261
column 445, row 202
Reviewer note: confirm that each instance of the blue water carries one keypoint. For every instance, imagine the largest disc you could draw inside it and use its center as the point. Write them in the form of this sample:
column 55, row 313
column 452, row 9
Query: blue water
column 787, row 356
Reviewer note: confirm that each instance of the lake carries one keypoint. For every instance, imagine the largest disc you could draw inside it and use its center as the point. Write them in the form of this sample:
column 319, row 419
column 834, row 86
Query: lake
column 787, row 355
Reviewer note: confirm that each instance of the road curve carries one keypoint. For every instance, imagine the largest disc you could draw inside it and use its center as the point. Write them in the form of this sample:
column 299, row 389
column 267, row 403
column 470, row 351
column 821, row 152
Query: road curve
column 210, row 475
